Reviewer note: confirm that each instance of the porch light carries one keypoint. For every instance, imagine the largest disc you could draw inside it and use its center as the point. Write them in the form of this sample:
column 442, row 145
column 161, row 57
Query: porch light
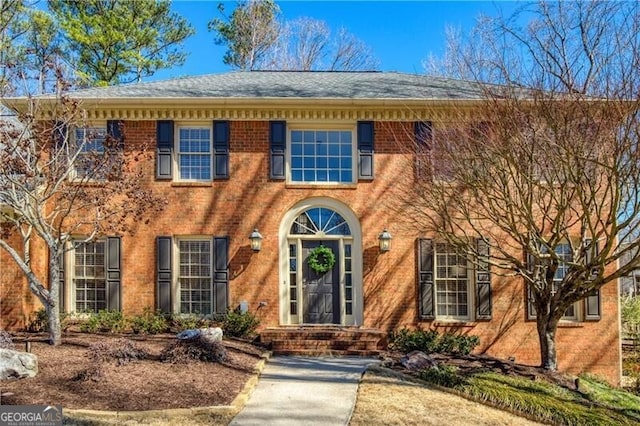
column 256, row 240
column 385, row 240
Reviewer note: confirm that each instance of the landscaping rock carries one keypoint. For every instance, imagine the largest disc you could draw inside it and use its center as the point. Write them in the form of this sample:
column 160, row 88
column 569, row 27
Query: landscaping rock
column 417, row 360
column 17, row 365
column 209, row 334
column 190, row 334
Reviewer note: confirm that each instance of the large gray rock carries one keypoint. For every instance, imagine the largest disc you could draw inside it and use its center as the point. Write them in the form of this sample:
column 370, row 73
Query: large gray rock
column 17, row 365
column 417, row 360
column 211, row 334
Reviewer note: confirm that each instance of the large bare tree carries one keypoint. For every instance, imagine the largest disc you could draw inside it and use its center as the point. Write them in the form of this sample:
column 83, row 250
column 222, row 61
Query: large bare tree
column 545, row 169
column 57, row 184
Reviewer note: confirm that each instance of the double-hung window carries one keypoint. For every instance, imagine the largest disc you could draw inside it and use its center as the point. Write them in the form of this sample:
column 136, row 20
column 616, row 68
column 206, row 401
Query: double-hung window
column 90, row 152
column 195, row 276
column 565, row 257
column 321, row 155
column 193, row 147
column 452, row 284
column 89, row 277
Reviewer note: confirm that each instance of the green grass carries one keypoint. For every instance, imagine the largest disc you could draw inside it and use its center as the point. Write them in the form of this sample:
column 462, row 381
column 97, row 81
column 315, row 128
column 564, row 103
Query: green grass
column 598, row 404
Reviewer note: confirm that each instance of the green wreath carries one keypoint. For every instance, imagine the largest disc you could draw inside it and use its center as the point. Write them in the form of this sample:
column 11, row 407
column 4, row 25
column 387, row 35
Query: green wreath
column 321, row 259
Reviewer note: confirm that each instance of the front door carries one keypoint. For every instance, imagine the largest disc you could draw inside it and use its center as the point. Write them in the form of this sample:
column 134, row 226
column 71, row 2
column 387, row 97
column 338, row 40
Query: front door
column 321, row 291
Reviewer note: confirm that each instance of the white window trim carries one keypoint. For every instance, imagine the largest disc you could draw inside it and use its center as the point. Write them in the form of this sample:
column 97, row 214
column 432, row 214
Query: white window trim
column 175, row 284
column 471, row 286
column 351, row 127
column 69, row 260
column 176, row 148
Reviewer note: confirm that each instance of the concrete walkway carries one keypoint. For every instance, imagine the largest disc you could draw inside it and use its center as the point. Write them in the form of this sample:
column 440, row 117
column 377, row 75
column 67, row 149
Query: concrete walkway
column 304, row 391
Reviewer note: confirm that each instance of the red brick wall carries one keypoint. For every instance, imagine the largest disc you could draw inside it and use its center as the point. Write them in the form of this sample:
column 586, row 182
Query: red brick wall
column 249, row 199
column 17, row 303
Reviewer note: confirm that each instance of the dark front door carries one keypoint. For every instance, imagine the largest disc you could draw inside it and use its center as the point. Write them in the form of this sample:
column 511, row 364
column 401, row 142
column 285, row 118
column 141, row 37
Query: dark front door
column 321, row 291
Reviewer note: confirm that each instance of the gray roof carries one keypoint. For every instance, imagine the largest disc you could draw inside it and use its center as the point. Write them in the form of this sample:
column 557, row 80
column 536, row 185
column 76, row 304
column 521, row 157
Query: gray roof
column 295, row 84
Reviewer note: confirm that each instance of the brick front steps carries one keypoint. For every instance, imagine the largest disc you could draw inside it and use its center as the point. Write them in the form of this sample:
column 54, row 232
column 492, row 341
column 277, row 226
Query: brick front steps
column 324, row 340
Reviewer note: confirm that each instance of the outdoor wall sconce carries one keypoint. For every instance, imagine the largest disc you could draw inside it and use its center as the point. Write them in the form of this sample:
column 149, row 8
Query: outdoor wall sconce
column 385, row 241
column 256, row 240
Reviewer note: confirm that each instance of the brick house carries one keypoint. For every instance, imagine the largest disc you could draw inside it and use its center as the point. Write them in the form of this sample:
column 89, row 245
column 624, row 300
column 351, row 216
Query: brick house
column 307, row 159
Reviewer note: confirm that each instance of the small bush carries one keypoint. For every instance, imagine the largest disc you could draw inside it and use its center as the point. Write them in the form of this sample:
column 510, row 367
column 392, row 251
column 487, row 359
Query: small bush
column 123, row 351
column 39, row 323
column 406, row 340
column 429, row 341
column 105, row 322
column 184, row 352
column 443, row 375
column 149, row 322
column 187, row 322
column 5, row 340
column 238, row 324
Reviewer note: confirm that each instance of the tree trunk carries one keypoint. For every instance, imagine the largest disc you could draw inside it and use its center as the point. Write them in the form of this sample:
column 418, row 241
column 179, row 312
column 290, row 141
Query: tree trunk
column 547, row 335
column 52, row 306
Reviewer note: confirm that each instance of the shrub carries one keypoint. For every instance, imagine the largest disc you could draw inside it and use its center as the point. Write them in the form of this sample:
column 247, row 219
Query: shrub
column 429, row 341
column 123, row 351
column 443, row 375
column 149, row 322
column 239, row 324
column 183, row 352
column 187, row 322
column 104, row 321
column 5, row 340
column 39, row 323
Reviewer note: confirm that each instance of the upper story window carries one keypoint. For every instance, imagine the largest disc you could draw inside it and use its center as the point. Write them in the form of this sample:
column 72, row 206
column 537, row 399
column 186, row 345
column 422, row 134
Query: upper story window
column 90, row 159
column 193, row 148
column 321, row 156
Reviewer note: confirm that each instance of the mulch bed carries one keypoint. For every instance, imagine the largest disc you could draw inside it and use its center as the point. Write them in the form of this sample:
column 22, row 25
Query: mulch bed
column 470, row 364
column 147, row 384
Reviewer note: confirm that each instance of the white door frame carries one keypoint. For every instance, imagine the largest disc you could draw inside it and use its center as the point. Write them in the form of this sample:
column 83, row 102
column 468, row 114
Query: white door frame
column 356, row 254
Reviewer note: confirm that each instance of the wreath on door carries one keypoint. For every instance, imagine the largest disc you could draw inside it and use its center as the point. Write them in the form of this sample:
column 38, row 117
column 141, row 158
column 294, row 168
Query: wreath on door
column 321, row 259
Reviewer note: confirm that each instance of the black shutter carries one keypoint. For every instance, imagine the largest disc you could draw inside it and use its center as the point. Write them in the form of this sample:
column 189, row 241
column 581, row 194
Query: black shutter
column 220, row 274
column 531, row 308
column 221, row 149
column 59, row 134
column 278, row 146
column 425, row 278
column 164, row 149
column 114, row 129
column 61, row 289
column 483, row 281
column 114, row 274
column 592, row 311
column 423, row 134
column 365, row 149
column 164, row 273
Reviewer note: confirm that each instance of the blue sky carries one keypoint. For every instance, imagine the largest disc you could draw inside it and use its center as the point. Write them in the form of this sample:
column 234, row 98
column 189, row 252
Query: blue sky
column 400, row 33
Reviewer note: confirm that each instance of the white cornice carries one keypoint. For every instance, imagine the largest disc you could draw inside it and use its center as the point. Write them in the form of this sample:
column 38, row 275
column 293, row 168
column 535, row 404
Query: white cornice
column 319, row 109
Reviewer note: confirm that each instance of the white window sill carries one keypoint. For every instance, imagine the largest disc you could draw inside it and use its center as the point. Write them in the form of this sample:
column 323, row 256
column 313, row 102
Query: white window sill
column 311, row 185
column 191, row 183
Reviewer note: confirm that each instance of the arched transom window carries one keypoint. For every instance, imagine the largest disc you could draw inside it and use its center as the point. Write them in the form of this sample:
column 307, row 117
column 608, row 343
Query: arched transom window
column 320, row 221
